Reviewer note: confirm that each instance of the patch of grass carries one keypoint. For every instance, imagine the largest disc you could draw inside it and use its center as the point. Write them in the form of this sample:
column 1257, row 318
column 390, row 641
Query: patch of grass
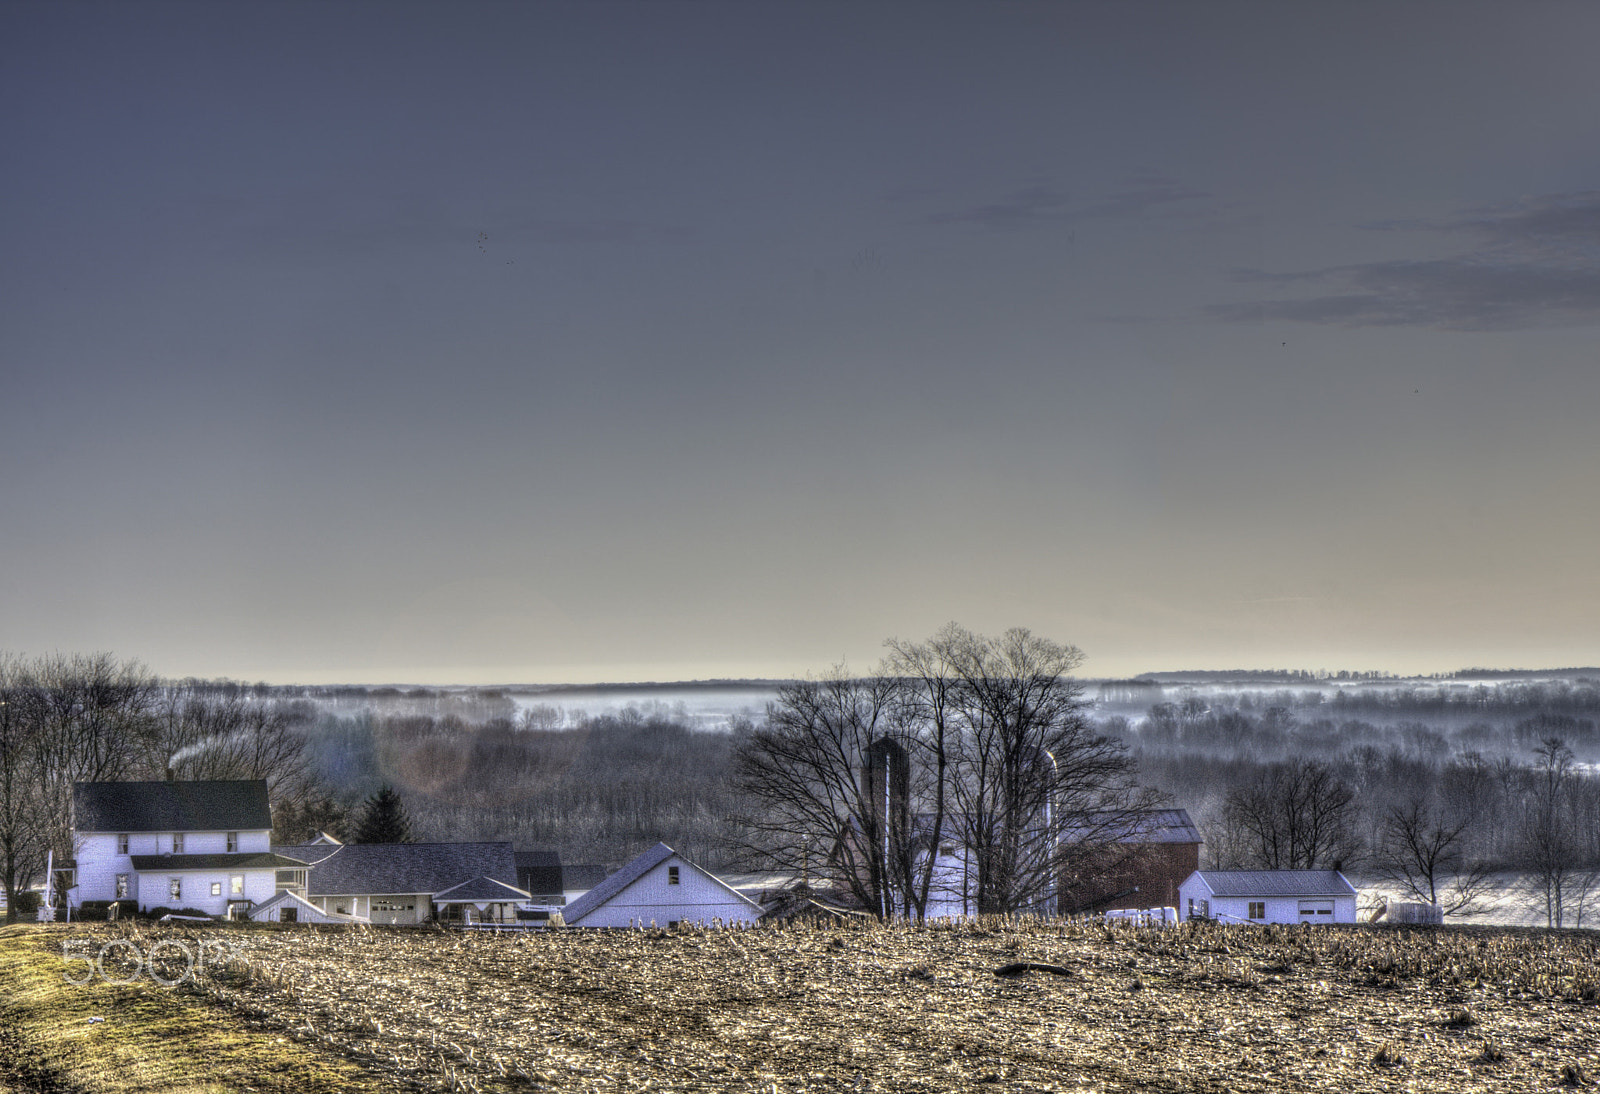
column 1389, row 1054
column 146, row 1038
column 1491, row 1053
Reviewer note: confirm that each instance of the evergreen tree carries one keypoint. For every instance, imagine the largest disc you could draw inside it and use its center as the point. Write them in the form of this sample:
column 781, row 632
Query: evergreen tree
column 383, row 819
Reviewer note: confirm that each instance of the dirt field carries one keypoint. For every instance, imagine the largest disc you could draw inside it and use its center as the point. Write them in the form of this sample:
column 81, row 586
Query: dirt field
column 1197, row 1008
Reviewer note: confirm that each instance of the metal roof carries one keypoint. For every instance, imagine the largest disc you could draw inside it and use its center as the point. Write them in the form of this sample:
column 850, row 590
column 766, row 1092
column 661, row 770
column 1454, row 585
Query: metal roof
column 1284, row 883
column 366, row 869
column 244, row 860
column 222, row 805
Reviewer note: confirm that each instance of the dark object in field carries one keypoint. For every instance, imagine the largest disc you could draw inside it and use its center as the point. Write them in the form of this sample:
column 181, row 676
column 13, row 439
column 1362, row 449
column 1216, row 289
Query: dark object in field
column 1017, row 968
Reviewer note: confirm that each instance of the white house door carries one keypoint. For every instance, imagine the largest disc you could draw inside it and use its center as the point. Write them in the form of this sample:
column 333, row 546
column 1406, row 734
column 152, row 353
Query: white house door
column 1316, row 911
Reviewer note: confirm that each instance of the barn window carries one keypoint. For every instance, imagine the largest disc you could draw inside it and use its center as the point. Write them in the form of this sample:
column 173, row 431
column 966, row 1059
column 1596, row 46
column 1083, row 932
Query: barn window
column 672, row 875
column 122, row 844
column 1258, row 909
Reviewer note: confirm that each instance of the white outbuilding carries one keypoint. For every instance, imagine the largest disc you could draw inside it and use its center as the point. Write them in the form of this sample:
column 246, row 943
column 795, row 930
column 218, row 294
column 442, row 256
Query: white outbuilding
column 1268, row 896
column 664, row 888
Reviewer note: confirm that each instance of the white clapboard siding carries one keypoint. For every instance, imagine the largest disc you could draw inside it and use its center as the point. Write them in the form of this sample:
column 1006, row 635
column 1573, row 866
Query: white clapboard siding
column 649, row 896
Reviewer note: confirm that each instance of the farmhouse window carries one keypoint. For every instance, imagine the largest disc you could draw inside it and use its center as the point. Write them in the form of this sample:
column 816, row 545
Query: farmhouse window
column 1258, row 909
column 175, row 888
column 216, row 888
column 177, row 843
column 233, row 842
column 122, row 844
column 122, row 886
column 672, row 875
column 236, row 885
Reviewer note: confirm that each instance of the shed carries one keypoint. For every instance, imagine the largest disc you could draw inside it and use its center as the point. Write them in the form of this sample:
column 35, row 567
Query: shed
column 661, row 887
column 1268, row 896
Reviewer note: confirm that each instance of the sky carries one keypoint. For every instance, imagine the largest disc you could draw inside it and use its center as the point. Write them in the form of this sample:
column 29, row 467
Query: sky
column 470, row 342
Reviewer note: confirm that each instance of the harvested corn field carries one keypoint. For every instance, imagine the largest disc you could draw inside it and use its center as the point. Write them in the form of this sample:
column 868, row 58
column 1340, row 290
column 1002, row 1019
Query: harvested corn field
column 1196, row 1008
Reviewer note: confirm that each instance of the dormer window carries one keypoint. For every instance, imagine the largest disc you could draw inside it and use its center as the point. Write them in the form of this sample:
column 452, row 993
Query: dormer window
column 177, row 843
column 233, row 842
column 122, row 844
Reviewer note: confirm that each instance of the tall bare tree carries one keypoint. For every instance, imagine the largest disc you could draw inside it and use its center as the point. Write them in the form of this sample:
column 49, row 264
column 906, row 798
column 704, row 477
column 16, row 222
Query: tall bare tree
column 1424, row 853
column 1043, row 802
column 24, row 834
column 1559, row 872
column 801, row 772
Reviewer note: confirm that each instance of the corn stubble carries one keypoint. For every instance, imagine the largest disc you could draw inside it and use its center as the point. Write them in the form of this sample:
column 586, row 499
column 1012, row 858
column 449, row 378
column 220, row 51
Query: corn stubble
column 906, row 1009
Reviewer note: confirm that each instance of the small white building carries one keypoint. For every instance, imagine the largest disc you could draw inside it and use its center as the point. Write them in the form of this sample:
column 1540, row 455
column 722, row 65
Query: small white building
column 664, row 888
column 1268, row 896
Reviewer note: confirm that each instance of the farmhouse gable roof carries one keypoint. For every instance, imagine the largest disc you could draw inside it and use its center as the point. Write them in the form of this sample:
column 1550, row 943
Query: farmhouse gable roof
column 218, row 805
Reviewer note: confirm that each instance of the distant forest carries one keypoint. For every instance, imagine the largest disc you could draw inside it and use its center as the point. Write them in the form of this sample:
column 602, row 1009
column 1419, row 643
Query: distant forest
column 471, row 767
column 1506, row 766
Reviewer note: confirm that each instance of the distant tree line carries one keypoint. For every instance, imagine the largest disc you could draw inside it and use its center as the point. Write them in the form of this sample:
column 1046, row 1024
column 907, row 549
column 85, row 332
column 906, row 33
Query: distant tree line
column 1493, row 783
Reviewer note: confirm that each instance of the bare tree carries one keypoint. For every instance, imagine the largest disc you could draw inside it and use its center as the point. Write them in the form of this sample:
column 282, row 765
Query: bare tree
column 1424, row 854
column 1042, row 804
column 25, row 838
column 1551, row 847
column 1296, row 815
column 801, row 771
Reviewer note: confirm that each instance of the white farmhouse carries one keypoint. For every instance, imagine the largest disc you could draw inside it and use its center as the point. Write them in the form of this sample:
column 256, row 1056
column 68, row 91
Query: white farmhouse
column 1268, row 896
column 664, row 888
column 204, row 845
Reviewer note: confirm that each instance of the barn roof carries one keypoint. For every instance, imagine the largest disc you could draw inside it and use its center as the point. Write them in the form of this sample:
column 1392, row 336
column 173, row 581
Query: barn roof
column 245, row 860
column 361, row 869
column 1134, row 826
column 632, row 872
column 1282, row 883
column 219, row 805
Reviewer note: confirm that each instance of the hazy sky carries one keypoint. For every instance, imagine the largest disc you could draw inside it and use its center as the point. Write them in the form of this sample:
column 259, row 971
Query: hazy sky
column 608, row 341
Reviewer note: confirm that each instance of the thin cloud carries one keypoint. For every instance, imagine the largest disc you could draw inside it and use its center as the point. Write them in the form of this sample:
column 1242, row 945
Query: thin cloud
column 1140, row 197
column 1023, row 207
column 1536, row 263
